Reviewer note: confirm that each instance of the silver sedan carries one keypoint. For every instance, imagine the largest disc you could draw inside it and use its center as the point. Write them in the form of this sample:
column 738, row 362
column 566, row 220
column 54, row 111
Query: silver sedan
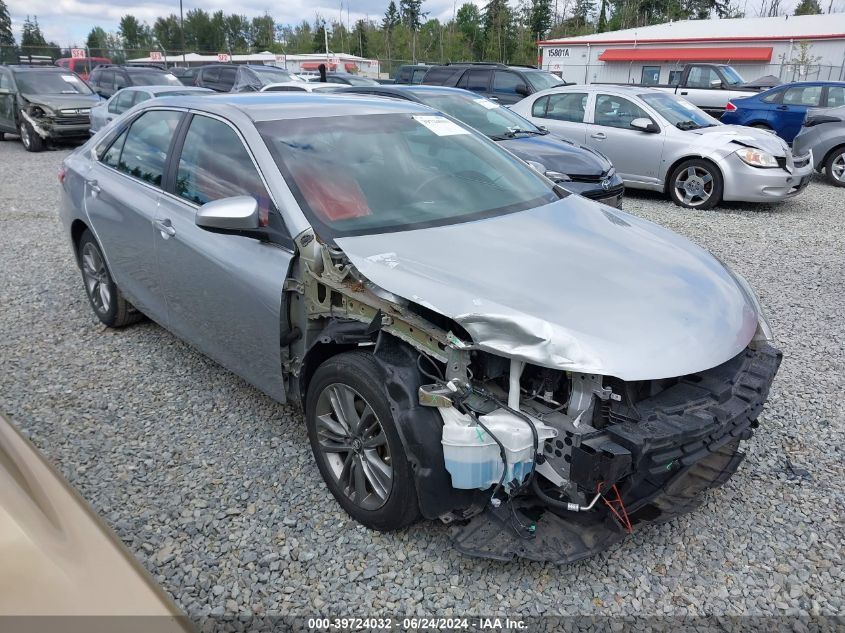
column 106, row 111
column 468, row 340
column 662, row 142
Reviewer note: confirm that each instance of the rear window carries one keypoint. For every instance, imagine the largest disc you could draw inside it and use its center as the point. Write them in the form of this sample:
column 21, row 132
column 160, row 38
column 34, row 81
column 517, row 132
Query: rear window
column 153, row 78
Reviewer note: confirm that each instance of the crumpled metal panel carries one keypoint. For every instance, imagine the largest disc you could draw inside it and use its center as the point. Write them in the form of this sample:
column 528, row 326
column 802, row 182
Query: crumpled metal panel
column 572, row 285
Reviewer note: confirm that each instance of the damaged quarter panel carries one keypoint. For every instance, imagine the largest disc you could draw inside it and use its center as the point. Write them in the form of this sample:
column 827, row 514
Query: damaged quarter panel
column 570, row 285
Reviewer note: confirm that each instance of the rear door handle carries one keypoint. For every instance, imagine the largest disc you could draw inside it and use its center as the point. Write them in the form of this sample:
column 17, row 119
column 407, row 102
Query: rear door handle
column 93, row 186
column 684, row 93
column 599, row 135
column 783, row 107
column 166, row 228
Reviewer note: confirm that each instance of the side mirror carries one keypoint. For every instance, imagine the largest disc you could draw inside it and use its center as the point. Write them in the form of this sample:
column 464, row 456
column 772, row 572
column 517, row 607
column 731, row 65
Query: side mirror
column 229, row 215
column 716, row 83
column 522, row 90
column 645, row 125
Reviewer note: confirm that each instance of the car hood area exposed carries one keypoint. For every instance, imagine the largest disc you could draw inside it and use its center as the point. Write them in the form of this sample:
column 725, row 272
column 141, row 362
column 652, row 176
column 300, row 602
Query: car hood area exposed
column 63, row 102
column 558, row 155
column 741, row 135
column 572, row 285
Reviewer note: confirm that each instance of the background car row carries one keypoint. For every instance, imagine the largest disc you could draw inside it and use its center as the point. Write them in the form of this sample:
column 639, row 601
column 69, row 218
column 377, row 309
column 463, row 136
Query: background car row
column 695, row 159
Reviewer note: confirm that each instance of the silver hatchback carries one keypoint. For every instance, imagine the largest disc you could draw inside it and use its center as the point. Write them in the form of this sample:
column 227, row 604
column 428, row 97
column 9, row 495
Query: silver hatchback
column 469, row 341
column 662, row 142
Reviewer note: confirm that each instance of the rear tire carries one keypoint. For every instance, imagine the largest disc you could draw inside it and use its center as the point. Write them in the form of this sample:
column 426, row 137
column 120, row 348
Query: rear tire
column 356, row 444
column 104, row 296
column 695, row 184
column 834, row 167
column 31, row 141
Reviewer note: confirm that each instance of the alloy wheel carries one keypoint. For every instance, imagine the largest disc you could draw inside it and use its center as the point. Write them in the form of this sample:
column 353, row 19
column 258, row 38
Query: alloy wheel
column 353, row 444
column 25, row 138
column 96, row 277
column 837, row 167
column 694, row 186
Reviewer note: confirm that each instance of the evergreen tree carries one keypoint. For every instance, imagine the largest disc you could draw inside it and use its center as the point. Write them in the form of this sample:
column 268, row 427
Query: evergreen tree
column 360, row 39
column 468, row 21
column 97, row 42
column 499, row 33
column 167, row 33
column 412, row 17
column 131, row 32
column 601, row 27
column 391, row 17
column 8, row 50
column 237, row 32
column 263, row 32
column 319, row 41
column 540, row 17
column 808, row 7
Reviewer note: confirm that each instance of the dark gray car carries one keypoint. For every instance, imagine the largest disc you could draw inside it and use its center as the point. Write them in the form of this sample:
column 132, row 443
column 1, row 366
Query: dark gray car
column 823, row 132
column 43, row 103
column 578, row 169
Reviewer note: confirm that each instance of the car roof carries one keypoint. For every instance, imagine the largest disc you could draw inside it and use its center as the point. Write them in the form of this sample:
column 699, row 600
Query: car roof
column 271, row 106
column 35, row 68
column 415, row 89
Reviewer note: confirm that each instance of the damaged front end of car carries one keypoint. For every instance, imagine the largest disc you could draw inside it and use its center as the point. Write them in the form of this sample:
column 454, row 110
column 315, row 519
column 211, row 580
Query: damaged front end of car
column 510, row 433
column 51, row 121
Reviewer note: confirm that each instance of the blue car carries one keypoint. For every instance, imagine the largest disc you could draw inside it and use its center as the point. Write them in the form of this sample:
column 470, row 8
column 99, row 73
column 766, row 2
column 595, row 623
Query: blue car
column 782, row 109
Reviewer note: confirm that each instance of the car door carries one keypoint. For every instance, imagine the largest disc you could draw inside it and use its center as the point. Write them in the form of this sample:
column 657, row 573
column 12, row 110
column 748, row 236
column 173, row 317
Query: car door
column 562, row 114
column 789, row 115
column 506, row 86
column 122, row 192
column 223, row 291
column 7, row 101
column 635, row 154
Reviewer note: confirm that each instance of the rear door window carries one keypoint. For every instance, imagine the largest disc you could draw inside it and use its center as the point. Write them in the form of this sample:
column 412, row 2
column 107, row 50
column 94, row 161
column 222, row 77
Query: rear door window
column 539, row 107
column 438, row 76
column 227, row 78
column 569, row 106
column 106, row 79
column 120, row 80
column 803, row 96
column 144, row 153
column 773, row 97
column 122, row 102
column 477, row 80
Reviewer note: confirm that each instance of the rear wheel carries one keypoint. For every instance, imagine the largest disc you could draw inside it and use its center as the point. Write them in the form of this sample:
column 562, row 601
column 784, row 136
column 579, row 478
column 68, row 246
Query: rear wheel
column 834, row 167
column 103, row 294
column 30, row 139
column 762, row 126
column 355, row 442
column 696, row 184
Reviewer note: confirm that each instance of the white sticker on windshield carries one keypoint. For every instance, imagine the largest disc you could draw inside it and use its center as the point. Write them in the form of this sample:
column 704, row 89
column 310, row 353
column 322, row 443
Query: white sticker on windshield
column 487, row 103
column 70, row 79
column 440, row 125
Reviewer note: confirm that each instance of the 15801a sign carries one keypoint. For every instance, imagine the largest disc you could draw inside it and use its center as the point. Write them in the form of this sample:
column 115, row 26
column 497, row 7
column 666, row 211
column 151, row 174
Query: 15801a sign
column 557, row 52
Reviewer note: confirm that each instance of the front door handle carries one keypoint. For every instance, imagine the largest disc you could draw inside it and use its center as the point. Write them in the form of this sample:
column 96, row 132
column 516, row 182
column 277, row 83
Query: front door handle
column 783, row 107
column 684, row 93
column 599, row 135
column 166, row 228
column 94, row 187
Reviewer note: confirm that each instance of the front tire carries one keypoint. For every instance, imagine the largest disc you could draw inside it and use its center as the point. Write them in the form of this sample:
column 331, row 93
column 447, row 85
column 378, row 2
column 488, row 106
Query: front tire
column 30, row 139
column 695, row 184
column 104, row 296
column 356, row 444
column 834, row 167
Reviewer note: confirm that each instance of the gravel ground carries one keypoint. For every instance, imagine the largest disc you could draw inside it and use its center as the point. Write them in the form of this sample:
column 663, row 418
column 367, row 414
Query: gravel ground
column 213, row 487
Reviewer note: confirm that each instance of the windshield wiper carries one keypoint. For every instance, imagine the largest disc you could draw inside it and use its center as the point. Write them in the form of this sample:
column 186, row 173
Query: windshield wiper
column 687, row 125
column 513, row 131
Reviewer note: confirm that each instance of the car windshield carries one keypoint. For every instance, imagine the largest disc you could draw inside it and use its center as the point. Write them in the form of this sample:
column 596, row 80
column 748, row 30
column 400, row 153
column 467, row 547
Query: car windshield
column 360, row 81
column 40, row 82
column 541, row 80
column 484, row 115
column 732, row 78
column 379, row 173
column 678, row 112
column 180, row 93
column 154, row 79
column 271, row 75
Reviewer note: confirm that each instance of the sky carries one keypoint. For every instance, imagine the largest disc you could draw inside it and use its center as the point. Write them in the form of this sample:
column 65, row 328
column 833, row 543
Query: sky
column 69, row 21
